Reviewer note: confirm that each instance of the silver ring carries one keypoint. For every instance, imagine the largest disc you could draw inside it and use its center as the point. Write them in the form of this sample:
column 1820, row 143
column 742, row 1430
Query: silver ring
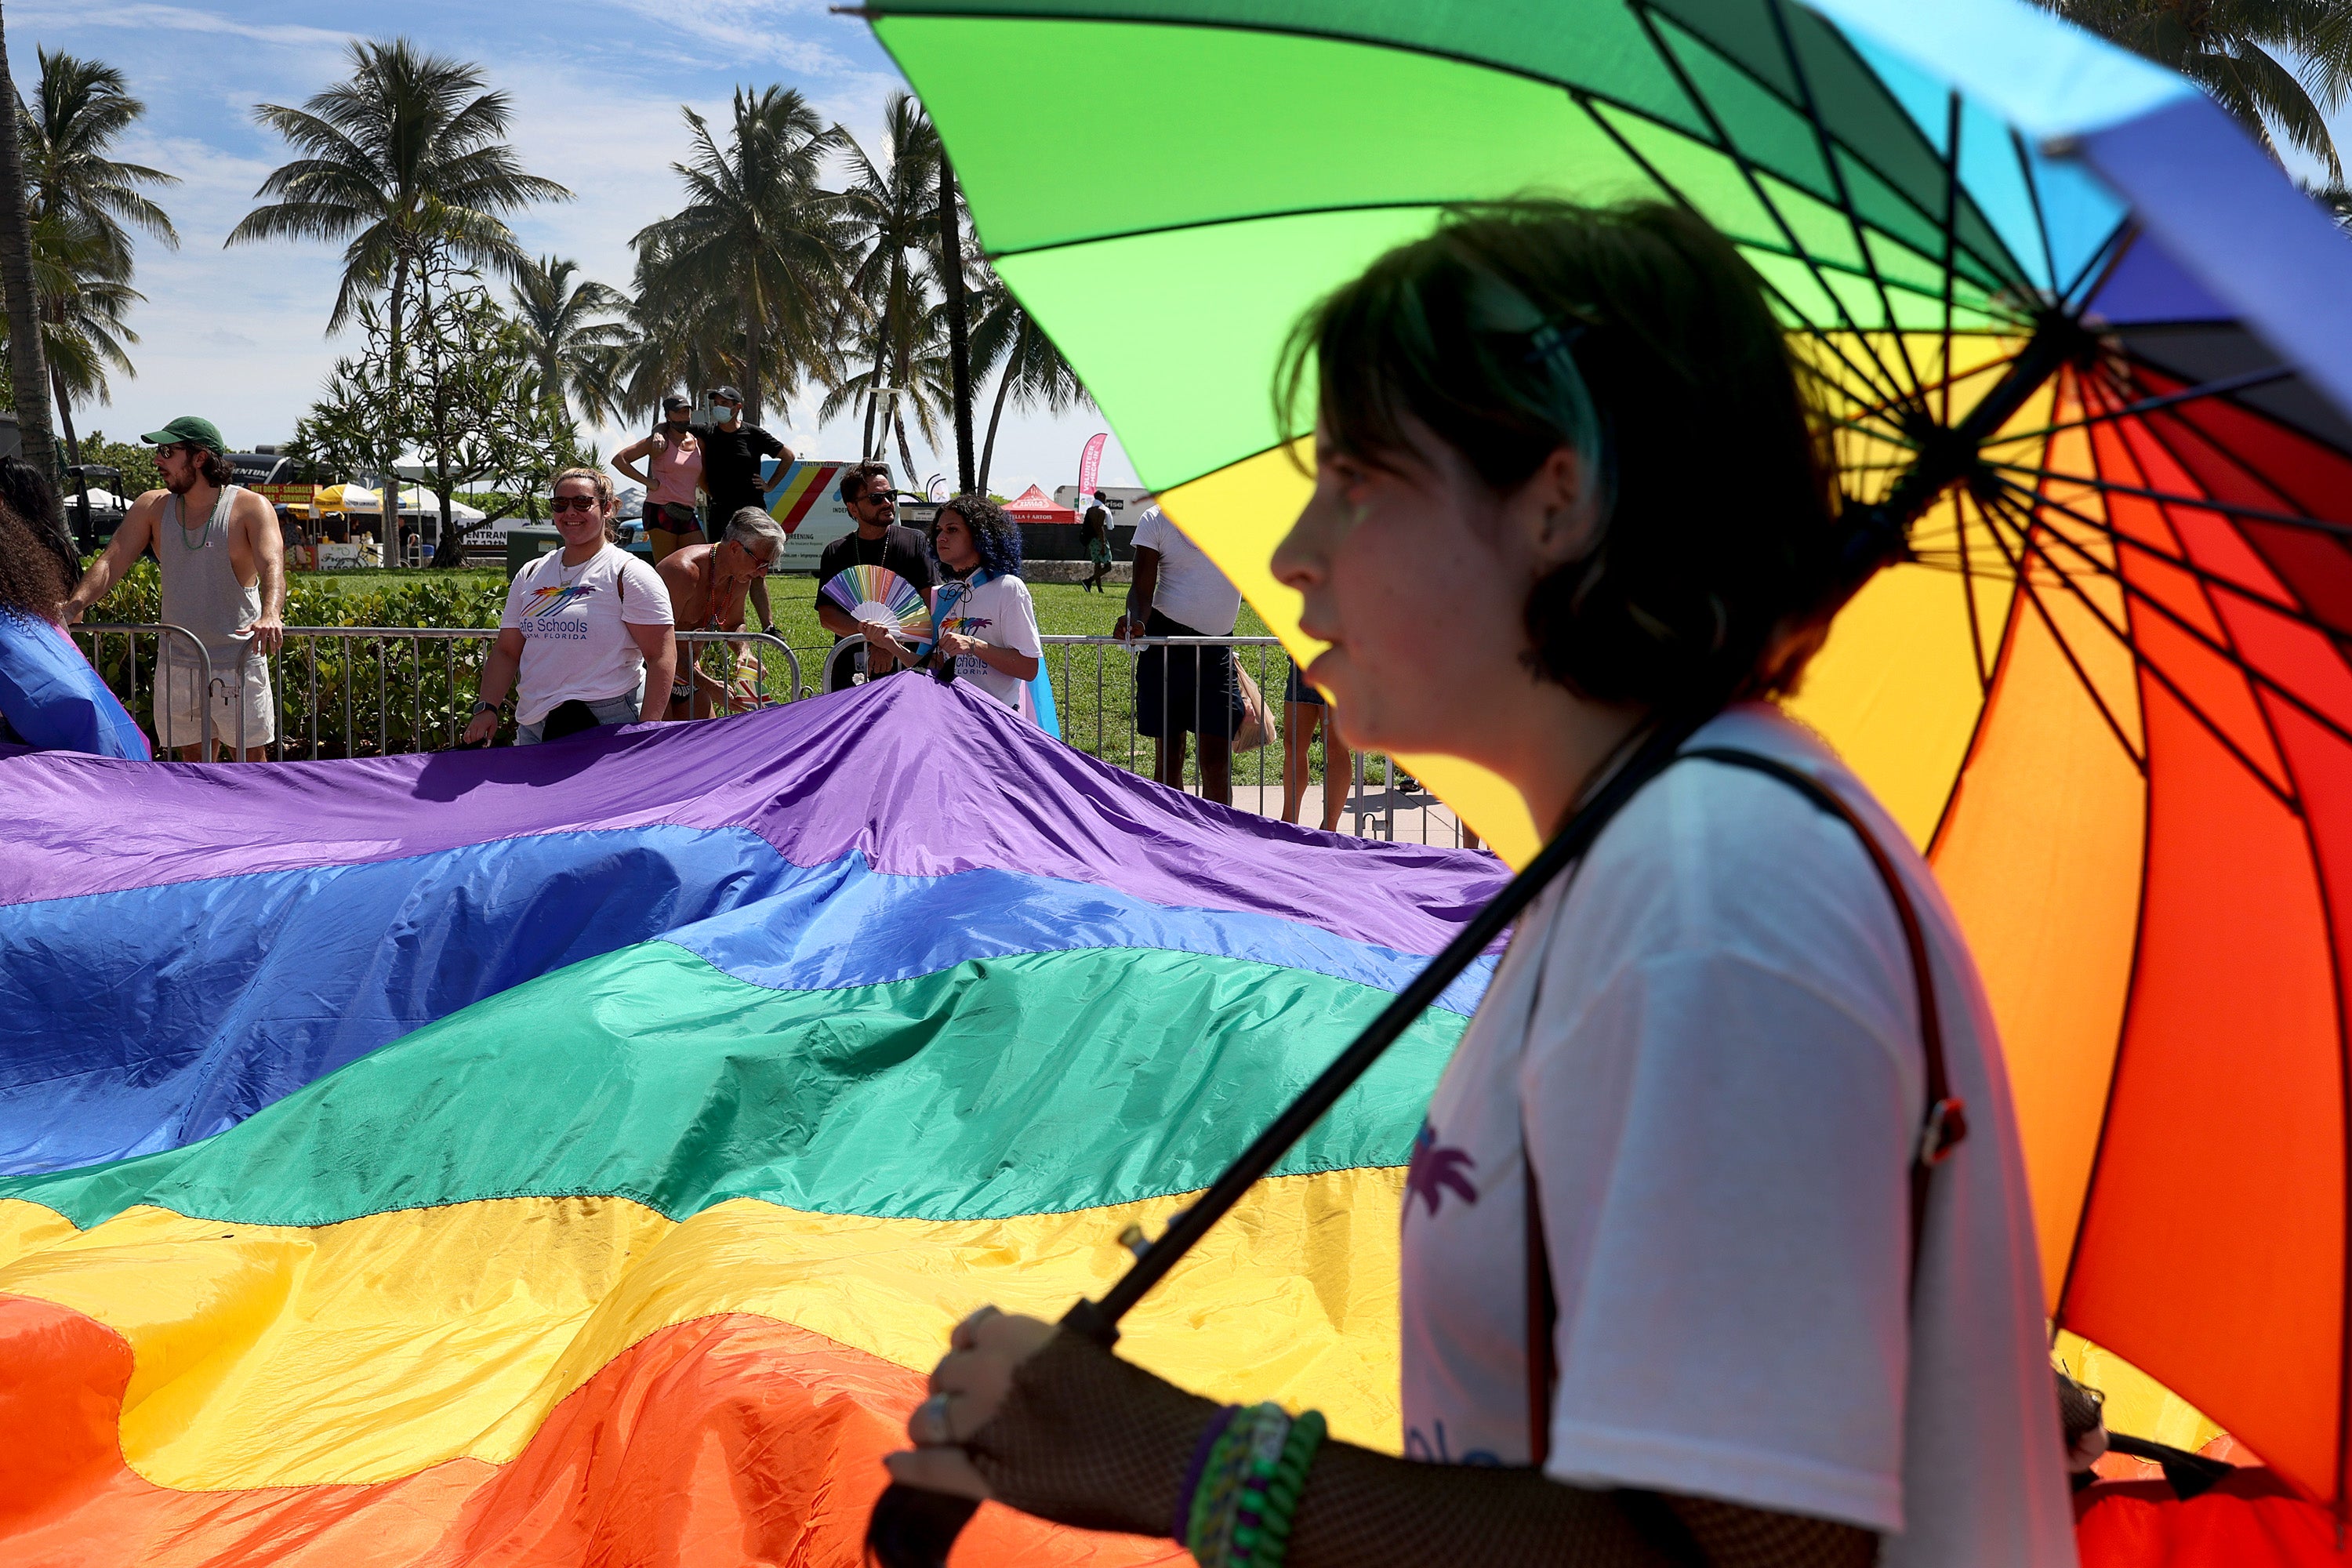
column 936, row 1409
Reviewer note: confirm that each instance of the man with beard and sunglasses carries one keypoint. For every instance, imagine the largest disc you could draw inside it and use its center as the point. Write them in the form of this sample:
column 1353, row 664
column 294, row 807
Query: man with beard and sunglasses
column 224, row 567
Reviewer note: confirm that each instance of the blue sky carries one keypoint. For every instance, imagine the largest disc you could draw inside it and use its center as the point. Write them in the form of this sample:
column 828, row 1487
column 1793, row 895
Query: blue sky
column 237, row 334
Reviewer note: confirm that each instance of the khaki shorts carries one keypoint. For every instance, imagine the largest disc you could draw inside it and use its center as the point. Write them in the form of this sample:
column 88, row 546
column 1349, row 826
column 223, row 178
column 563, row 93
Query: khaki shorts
column 178, row 702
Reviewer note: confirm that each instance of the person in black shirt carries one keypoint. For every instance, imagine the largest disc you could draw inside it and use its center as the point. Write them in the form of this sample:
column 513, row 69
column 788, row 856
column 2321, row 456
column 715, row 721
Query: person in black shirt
column 878, row 540
column 731, row 451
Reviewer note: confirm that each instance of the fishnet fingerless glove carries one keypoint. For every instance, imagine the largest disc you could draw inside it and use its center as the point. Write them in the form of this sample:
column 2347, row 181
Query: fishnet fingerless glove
column 1086, row 1439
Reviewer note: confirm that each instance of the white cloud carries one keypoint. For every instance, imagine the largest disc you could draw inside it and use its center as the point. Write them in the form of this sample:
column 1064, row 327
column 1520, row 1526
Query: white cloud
column 175, row 18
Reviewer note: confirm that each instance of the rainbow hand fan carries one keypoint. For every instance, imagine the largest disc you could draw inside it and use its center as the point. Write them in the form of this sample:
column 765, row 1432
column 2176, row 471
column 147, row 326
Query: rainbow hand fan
column 878, row 594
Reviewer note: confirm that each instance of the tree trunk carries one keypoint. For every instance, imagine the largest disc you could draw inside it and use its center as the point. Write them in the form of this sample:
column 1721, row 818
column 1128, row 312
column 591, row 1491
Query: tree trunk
column 753, row 332
column 1004, row 385
column 906, row 453
column 28, row 374
column 959, row 341
column 64, row 415
column 874, row 409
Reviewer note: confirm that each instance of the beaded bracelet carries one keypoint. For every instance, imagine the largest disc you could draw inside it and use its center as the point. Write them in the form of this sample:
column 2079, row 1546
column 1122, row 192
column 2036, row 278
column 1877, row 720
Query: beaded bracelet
column 1215, row 1503
column 1183, row 1526
column 1270, row 1501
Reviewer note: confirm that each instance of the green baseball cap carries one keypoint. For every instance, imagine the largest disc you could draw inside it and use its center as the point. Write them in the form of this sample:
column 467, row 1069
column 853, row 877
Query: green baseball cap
column 191, row 430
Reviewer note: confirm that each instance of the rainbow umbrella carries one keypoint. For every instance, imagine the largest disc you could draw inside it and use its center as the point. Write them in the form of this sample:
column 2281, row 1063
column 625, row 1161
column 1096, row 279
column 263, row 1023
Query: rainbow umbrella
column 2082, row 341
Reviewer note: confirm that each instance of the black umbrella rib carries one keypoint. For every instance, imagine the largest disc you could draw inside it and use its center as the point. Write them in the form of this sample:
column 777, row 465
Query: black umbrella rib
column 1667, row 186
column 2033, row 199
column 2205, row 575
column 2173, row 498
column 2195, row 634
column 1950, row 379
column 1747, row 171
column 1828, row 149
column 1951, row 240
column 2221, row 388
column 1996, row 276
column 2144, row 665
column 2066, row 651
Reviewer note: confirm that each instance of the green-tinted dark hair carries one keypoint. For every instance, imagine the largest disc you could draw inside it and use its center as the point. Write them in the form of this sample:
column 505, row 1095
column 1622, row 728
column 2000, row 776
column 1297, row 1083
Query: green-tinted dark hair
column 1638, row 336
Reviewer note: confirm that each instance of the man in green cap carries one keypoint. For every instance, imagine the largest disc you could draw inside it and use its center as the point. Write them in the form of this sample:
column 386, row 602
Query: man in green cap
column 223, row 566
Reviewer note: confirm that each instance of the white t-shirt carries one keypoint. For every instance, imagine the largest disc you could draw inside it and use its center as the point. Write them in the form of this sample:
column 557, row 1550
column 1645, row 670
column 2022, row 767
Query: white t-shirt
column 999, row 612
column 572, row 618
column 1190, row 590
column 1712, row 1043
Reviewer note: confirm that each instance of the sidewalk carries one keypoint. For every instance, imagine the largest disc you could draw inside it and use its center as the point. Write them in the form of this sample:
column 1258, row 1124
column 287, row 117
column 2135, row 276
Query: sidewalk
column 1417, row 818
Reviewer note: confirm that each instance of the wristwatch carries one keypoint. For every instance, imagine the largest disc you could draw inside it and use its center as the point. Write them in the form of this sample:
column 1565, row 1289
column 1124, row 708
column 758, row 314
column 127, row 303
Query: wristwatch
column 481, row 707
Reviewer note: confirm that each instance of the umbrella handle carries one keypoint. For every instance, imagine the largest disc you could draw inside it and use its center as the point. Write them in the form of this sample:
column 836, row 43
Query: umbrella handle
column 915, row 1528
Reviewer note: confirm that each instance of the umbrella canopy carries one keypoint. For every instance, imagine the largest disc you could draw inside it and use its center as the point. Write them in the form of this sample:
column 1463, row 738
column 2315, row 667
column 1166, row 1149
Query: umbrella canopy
column 349, row 497
column 2047, row 288
column 101, row 500
column 1033, row 505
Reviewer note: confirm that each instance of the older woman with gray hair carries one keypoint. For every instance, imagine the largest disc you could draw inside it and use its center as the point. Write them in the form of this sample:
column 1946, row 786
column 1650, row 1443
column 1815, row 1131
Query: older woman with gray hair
column 708, row 587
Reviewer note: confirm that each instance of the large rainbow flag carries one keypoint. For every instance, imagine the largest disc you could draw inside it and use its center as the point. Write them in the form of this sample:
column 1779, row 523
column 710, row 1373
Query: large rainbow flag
column 575, row 1154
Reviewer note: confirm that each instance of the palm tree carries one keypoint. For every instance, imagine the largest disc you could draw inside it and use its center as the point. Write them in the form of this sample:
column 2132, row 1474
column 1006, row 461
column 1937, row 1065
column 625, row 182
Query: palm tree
column 894, row 209
column 79, row 200
column 26, row 372
column 911, row 348
column 407, row 157
column 759, row 230
column 77, row 275
column 2237, row 50
column 569, row 342
column 1032, row 369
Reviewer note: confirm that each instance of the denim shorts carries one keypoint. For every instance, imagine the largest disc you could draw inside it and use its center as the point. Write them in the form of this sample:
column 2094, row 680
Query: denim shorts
column 621, row 709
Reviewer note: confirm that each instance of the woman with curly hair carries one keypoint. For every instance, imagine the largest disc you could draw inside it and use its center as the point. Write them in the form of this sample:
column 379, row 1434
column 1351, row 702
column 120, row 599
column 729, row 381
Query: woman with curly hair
column 987, row 625
column 50, row 698
column 1686, row 1276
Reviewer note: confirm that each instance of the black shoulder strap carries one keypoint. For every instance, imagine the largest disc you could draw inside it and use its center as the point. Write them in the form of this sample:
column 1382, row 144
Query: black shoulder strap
column 1943, row 1125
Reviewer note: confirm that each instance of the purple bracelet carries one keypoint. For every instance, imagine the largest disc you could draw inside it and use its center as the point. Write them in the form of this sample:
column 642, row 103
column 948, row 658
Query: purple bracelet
column 1208, row 1436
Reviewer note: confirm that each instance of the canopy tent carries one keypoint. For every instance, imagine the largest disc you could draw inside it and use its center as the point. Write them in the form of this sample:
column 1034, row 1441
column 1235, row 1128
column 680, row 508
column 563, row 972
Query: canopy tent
column 1033, row 505
column 417, row 498
column 101, row 500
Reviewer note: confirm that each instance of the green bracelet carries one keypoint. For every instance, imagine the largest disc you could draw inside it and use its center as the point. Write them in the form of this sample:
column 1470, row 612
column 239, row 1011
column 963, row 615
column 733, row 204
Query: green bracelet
column 1279, row 1489
column 1211, row 1537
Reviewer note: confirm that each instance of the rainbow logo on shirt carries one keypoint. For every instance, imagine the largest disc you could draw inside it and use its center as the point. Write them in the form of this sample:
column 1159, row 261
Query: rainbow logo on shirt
column 547, row 601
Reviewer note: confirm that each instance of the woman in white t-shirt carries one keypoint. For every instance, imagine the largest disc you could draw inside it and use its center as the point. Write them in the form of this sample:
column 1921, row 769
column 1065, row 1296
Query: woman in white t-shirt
column 588, row 624
column 985, row 620
column 1569, row 500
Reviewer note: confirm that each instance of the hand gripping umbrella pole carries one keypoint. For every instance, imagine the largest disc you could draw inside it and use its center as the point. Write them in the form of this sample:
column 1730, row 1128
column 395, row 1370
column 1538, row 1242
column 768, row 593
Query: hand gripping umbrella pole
column 914, row 1528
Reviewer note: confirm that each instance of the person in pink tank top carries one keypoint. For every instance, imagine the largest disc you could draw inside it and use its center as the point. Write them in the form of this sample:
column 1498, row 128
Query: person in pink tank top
column 673, row 459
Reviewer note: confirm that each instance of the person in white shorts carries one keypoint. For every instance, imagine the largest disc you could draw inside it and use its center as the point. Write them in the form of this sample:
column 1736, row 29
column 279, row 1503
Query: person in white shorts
column 223, row 566
column 1699, row 1261
column 587, row 627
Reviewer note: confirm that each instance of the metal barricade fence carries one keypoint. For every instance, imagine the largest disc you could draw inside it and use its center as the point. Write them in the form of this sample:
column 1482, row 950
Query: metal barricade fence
column 360, row 691
column 1095, row 697
column 370, row 691
column 119, row 667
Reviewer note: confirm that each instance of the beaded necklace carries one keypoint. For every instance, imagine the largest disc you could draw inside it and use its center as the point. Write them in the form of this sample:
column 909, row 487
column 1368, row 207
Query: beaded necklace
column 204, row 530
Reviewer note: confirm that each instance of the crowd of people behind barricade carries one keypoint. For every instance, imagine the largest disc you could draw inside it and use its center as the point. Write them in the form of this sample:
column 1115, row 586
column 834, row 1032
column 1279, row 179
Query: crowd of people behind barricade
column 587, row 637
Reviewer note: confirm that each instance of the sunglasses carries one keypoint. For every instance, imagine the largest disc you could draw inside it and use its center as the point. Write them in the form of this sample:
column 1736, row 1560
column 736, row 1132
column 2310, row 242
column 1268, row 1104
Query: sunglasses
column 563, row 504
column 173, row 449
